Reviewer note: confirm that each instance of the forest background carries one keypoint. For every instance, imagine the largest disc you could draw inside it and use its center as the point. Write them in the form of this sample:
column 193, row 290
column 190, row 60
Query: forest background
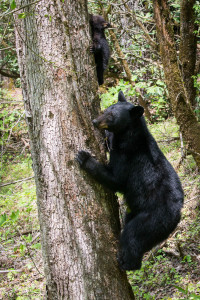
column 159, row 69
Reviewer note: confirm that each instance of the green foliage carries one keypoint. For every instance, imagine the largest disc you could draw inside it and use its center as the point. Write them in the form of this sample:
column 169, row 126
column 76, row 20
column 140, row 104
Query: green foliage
column 18, row 200
column 7, row 119
column 8, row 219
column 36, row 246
column 21, row 16
column 197, row 81
column 12, row 4
column 12, row 124
column 175, row 11
column 155, row 93
column 197, row 21
column 3, row 219
column 167, row 136
column 18, row 214
column 8, row 59
column 111, row 96
column 190, row 296
column 17, row 203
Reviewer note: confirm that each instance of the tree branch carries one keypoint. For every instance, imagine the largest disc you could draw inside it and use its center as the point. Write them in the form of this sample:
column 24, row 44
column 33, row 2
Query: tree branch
column 14, row 11
column 13, row 182
column 9, row 74
column 146, row 33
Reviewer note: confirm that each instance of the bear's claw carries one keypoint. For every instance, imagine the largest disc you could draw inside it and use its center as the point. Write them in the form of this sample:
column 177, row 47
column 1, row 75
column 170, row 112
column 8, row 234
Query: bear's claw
column 82, row 157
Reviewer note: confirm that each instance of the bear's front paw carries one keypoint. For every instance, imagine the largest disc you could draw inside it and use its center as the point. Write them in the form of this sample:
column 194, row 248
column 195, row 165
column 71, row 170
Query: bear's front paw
column 92, row 49
column 82, row 157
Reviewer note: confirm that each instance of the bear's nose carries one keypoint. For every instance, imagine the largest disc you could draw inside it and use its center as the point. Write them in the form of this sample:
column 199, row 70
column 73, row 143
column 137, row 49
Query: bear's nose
column 95, row 122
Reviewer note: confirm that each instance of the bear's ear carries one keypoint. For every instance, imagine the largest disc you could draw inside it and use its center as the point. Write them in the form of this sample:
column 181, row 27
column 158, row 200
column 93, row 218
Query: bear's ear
column 136, row 111
column 121, row 97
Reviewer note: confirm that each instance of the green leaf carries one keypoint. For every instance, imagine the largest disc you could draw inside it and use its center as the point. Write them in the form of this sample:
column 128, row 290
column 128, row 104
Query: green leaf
column 14, row 215
column 141, row 84
column 36, row 246
column 181, row 289
column 22, row 248
column 3, row 219
column 159, row 82
column 194, row 296
column 12, row 4
column 29, row 238
column 21, row 16
column 134, row 77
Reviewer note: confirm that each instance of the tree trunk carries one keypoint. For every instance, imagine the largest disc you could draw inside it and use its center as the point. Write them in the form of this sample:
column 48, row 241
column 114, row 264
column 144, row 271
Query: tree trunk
column 188, row 47
column 182, row 109
column 78, row 217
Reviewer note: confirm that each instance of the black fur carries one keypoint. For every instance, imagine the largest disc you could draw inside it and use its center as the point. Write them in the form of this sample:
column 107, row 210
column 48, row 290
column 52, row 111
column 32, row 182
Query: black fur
column 138, row 169
column 99, row 46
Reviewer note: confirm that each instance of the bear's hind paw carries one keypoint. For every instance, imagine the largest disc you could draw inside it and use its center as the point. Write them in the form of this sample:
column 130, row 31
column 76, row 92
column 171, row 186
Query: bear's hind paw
column 128, row 265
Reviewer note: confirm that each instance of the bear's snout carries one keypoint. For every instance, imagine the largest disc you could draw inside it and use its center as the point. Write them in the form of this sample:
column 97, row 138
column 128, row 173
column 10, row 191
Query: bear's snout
column 100, row 123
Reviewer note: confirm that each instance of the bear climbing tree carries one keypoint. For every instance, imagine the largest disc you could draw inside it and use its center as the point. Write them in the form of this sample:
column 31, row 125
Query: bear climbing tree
column 138, row 169
column 99, row 46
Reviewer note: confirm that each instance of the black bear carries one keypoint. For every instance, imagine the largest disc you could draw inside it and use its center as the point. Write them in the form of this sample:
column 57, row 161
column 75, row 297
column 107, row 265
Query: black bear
column 99, row 46
column 138, row 169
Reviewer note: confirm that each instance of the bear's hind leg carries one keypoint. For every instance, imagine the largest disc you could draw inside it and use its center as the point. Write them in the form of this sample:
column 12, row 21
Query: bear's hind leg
column 131, row 252
column 100, row 71
column 139, row 235
column 142, row 233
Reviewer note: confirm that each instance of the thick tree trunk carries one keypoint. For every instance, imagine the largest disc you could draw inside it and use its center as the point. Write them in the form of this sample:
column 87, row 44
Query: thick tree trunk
column 78, row 218
column 182, row 109
column 188, row 47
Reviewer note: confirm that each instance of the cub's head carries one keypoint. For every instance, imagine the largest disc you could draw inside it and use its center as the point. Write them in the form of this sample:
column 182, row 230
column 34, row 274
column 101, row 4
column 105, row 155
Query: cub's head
column 119, row 116
column 98, row 23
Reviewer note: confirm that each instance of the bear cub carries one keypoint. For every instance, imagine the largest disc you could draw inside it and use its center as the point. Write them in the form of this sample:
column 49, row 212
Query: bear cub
column 138, row 169
column 99, row 46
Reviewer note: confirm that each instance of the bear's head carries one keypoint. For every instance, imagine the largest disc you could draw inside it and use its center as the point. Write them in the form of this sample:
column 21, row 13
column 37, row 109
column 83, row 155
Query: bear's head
column 119, row 116
column 98, row 23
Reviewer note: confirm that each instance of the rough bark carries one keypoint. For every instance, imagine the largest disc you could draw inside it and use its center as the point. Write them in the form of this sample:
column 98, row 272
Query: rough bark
column 182, row 109
column 78, row 218
column 188, row 47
